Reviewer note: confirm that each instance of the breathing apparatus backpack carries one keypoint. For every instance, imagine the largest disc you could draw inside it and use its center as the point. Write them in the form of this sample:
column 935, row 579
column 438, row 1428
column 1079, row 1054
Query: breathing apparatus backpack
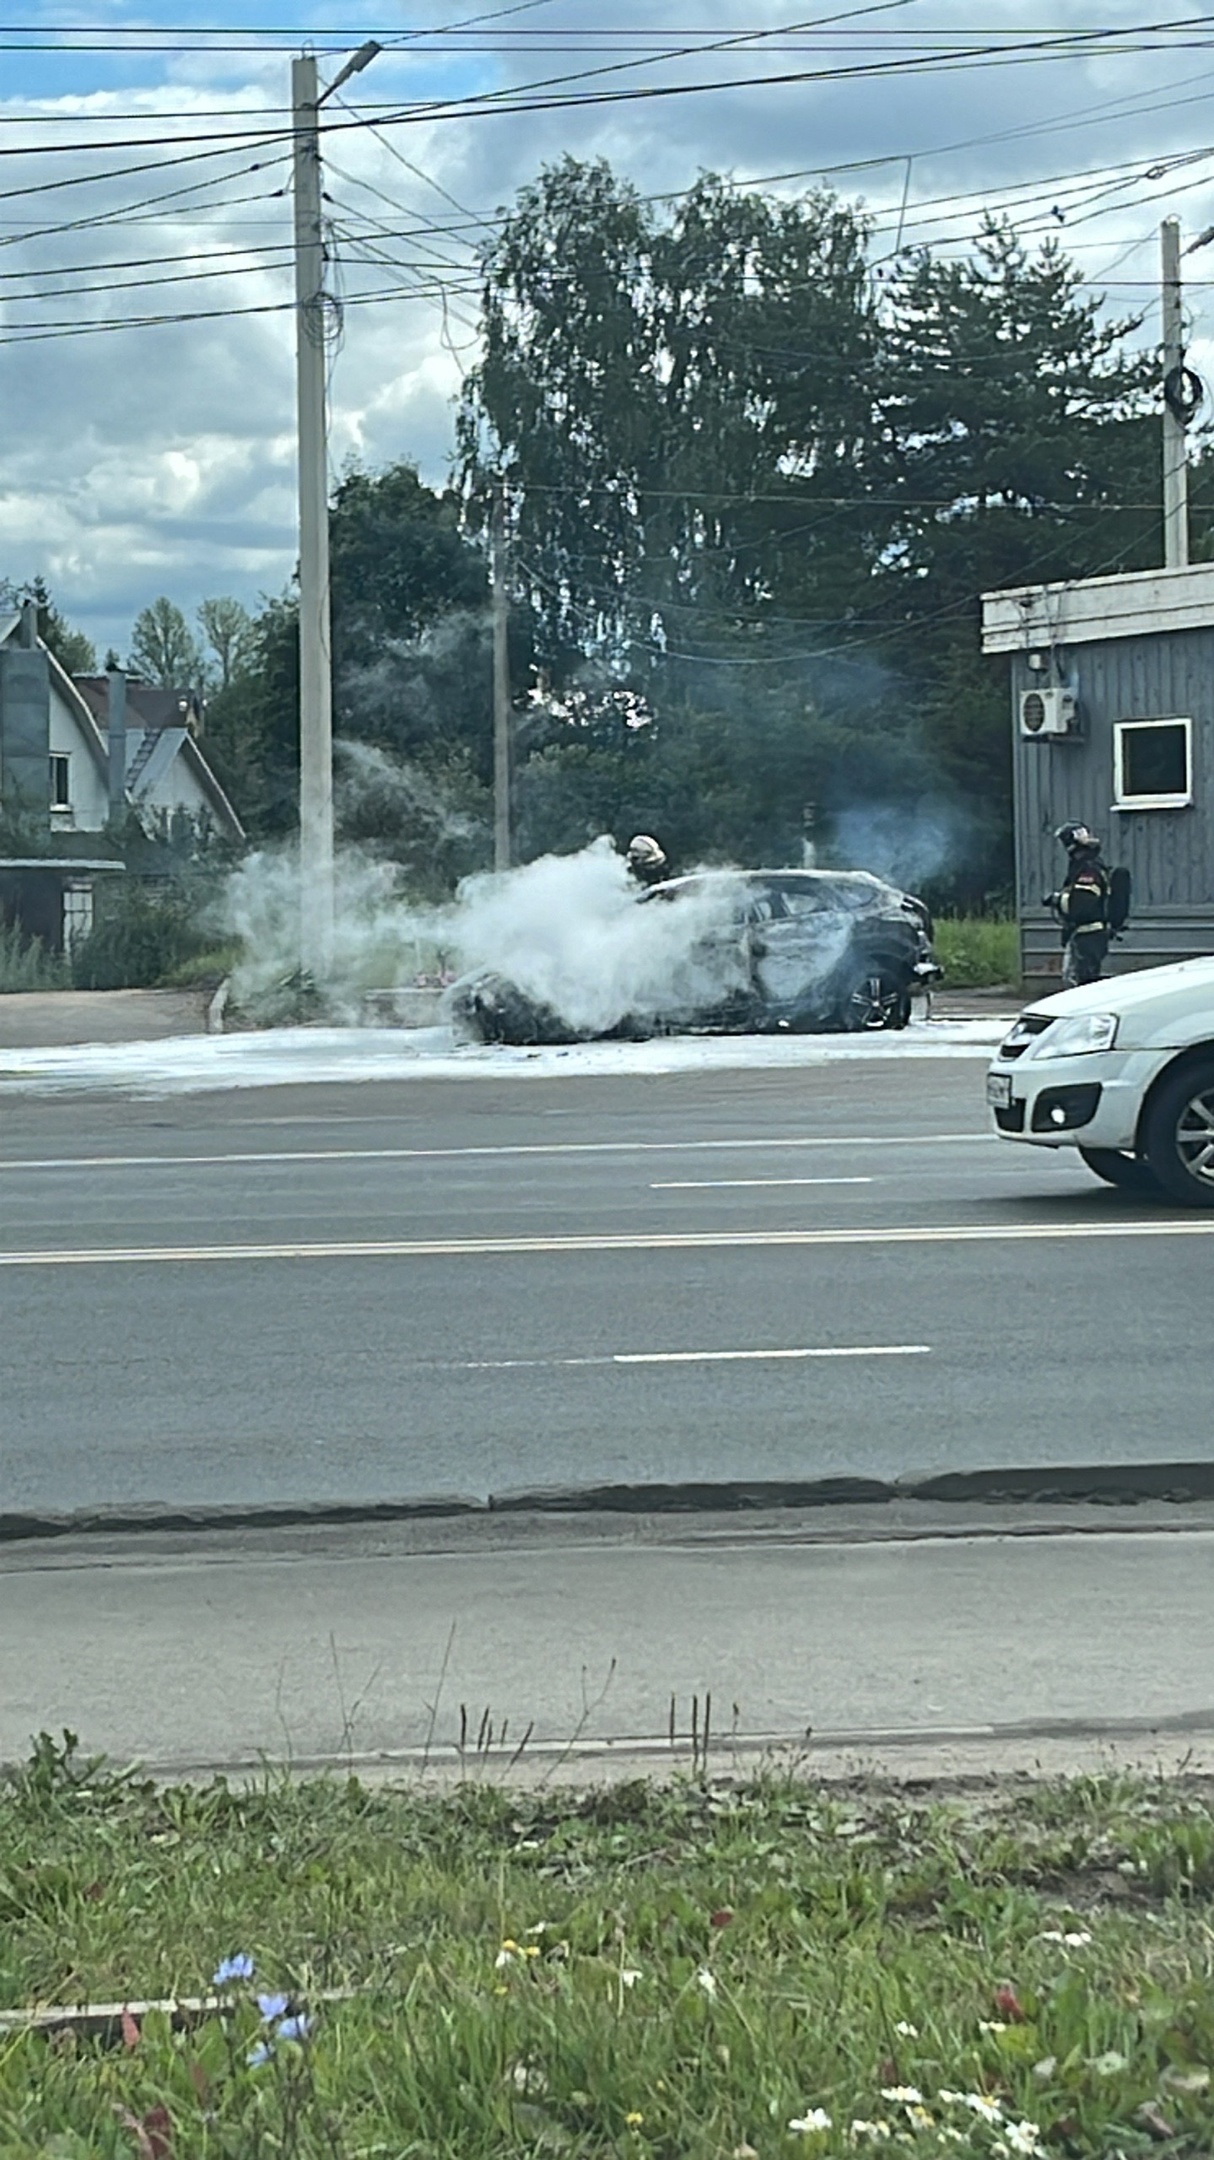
column 1120, row 885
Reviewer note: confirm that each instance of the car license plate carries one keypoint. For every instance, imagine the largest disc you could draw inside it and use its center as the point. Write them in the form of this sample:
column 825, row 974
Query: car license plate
column 999, row 1090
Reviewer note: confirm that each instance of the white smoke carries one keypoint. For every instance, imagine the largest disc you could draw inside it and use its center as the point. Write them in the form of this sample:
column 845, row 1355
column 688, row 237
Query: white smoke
column 909, row 845
column 567, row 930
column 371, row 782
column 378, row 940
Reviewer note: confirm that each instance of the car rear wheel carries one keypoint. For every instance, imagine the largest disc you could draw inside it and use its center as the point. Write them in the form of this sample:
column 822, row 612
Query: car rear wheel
column 1179, row 1135
column 876, row 997
column 1129, row 1172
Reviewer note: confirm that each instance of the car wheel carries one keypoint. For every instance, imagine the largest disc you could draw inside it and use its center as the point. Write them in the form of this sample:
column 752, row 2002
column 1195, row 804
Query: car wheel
column 875, row 998
column 1179, row 1135
column 1128, row 1172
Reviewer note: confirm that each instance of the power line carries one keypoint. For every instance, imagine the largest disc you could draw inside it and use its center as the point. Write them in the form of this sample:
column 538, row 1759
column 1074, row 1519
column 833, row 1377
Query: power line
column 517, row 98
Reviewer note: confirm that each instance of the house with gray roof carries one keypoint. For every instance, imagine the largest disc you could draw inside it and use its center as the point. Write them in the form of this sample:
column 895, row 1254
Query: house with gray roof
column 77, row 758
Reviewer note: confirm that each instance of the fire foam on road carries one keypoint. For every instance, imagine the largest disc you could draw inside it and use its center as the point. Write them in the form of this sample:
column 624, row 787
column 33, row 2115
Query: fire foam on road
column 291, row 1057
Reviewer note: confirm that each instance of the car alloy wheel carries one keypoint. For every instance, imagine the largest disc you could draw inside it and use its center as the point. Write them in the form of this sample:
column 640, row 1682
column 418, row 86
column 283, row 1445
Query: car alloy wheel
column 1195, row 1137
column 1179, row 1135
column 876, row 1000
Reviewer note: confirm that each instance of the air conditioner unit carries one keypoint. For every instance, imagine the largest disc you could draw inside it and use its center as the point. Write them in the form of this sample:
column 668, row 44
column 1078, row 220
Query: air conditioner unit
column 1050, row 713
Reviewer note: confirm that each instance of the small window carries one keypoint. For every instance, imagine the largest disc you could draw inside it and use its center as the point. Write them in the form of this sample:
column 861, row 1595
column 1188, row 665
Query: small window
column 61, row 783
column 1152, row 764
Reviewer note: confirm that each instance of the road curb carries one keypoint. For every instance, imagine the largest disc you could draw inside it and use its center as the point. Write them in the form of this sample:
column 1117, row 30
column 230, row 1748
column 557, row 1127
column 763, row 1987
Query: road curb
column 1116, row 1485
column 16, row 1525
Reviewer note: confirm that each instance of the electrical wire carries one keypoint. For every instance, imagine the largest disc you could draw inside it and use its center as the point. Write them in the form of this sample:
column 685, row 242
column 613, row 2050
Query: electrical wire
column 1077, row 193
column 1056, row 45
column 131, row 212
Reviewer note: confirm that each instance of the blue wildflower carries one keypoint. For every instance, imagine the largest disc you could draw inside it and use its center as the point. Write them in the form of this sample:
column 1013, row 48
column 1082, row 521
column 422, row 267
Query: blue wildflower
column 295, row 2028
column 272, row 2006
column 262, row 2053
column 239, row 1967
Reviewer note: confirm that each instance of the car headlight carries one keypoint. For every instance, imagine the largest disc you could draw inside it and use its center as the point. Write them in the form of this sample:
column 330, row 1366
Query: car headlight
column 1077, row 1037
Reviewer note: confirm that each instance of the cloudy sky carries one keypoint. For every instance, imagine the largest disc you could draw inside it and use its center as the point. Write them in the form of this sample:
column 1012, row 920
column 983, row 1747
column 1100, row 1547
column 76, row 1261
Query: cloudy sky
column 146, row 354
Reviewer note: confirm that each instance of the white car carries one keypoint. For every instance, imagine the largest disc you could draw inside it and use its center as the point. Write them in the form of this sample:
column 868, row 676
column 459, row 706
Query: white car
column 1124, row 1071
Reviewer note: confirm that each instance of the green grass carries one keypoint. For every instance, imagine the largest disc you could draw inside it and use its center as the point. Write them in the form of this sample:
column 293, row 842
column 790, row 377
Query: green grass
column 25, row 963
column 205, row 970
column 789, row 1950
column 977, row 952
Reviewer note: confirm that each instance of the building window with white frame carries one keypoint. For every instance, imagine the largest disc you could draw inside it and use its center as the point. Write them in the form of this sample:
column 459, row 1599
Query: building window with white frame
column 1152, row 764
column 61, row 780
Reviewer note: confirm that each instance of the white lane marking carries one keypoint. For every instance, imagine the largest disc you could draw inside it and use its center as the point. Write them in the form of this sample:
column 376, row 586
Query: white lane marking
column 723, row 1184
column 685, row 1241
column 554, row 1147
column 730, row 1357
column 693, row 1357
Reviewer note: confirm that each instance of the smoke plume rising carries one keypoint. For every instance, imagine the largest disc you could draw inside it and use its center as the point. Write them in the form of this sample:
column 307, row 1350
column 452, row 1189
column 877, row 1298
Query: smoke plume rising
column 567, row 929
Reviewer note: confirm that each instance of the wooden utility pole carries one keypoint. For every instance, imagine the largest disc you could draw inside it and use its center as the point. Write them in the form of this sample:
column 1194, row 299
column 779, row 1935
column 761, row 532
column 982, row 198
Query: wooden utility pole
column 501, row 685
column 1175, row 467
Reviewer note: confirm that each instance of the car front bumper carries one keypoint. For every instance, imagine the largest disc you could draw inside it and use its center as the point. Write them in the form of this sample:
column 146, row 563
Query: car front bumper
column 1090, row 1101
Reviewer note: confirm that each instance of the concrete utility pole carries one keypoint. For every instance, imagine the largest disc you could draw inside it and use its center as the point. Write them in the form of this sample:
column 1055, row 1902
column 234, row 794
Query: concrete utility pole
column 501, row 686
column 315, row 674
column 1175, row 467
column 315, row 645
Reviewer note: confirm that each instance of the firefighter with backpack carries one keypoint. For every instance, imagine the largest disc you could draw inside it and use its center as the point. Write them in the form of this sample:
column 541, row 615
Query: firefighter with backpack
column 1092, row 905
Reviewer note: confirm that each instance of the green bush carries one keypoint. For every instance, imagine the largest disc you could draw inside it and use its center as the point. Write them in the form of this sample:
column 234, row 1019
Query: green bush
column 976, row 952
column 142, row 934
column 203, row 970
column 26, row 964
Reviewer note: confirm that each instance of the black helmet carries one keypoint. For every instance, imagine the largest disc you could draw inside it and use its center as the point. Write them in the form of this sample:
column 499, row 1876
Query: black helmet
column 1076, row 836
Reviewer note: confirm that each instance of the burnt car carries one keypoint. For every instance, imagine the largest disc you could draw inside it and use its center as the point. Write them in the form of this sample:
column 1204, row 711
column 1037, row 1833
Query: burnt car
column 740, row 952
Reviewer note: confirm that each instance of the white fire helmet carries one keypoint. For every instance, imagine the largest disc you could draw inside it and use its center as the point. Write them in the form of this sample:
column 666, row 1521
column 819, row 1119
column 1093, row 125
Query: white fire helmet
column 645, row 854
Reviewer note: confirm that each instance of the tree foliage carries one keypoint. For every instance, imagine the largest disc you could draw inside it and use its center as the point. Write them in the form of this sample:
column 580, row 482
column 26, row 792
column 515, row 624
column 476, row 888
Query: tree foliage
column 74, row 651
column 756, row 484
column 411, row 677
column 666, row 400
column 740, row 462
column 163, row 648
column 229, row 644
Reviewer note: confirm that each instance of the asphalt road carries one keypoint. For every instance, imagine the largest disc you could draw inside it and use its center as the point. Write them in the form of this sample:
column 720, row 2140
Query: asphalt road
column 367, row 1293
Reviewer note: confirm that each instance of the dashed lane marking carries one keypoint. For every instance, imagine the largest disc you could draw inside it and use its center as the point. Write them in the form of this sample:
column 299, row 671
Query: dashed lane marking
column 729, row 1184
column 693, row 1357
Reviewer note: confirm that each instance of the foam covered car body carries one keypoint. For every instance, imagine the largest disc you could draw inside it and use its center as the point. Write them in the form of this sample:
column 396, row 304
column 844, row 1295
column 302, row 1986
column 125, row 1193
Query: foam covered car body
column 805, row 950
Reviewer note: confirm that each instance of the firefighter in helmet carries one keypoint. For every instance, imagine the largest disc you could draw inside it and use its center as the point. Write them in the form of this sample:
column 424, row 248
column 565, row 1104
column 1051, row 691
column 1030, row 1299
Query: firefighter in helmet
column 1084, row 905
column 646, row 860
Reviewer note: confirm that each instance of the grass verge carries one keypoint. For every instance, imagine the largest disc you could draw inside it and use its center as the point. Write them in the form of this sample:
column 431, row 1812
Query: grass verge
column 25, row 964
column 977, row 952
column 688, row 1972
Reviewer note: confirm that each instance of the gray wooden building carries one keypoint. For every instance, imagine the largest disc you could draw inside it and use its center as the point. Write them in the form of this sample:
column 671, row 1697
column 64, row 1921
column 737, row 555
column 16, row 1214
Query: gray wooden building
column 1112, row 683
